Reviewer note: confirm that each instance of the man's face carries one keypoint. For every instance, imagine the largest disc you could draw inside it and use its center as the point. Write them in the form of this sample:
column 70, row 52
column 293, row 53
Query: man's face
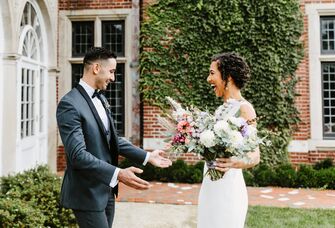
column 105, row 73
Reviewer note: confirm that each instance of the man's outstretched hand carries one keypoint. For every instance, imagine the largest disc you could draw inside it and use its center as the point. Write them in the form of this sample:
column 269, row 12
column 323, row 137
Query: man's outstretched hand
column 156, row 158
column 128, row 177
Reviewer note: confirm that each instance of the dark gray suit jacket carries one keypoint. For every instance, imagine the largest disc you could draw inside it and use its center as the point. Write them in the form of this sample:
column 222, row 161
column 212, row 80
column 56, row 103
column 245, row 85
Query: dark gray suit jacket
column 91, row 159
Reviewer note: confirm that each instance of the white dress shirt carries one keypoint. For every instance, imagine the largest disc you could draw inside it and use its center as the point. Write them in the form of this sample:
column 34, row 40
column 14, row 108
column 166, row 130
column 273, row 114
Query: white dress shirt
column 103, row 116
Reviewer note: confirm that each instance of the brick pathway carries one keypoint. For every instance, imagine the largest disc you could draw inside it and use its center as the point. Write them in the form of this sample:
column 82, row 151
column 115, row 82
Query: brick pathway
column 187, row 194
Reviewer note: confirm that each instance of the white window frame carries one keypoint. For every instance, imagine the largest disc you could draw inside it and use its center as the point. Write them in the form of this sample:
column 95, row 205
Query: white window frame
column 316, row 142
column 40, row 138
column 97, row 15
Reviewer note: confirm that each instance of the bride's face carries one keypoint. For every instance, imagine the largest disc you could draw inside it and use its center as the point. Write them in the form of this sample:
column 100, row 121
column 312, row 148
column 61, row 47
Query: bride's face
column 214, row 78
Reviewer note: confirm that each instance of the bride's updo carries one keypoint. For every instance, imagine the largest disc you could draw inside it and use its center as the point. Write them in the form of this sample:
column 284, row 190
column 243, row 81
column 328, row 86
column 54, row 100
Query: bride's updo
column 231, row 64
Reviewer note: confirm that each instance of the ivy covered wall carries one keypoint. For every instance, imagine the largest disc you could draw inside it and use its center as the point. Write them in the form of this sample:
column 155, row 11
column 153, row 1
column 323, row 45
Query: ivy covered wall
column 179, row 37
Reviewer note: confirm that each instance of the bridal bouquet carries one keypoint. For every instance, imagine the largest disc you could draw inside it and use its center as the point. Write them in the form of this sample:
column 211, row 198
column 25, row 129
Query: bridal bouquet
column 222, row 134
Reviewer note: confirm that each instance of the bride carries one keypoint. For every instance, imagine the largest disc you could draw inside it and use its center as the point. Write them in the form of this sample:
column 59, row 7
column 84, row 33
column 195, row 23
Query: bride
column 224, row 203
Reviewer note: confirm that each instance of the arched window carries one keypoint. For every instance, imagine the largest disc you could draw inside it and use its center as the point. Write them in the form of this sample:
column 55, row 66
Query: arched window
column 32, row 87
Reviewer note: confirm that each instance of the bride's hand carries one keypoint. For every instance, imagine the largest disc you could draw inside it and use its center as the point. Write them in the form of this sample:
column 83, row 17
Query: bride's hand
column 224, row 164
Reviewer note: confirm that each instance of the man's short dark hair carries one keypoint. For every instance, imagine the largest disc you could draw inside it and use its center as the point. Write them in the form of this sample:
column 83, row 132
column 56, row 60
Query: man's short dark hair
column 97, row 53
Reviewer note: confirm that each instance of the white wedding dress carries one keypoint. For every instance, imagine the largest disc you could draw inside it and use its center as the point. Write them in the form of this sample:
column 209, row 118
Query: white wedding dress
column 223, row 203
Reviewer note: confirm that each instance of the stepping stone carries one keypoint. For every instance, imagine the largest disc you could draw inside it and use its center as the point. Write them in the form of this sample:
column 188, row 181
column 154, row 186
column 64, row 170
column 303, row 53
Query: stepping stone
column 293, row 192
column 328, row 194
column 180, row 200
column 310, row 197
column 282, row 195
column 185, row 188
column 172, row 185
column 299, row 203
column 151, row 201
column 266, row 190
column 179, row 192
column 188, row 203
column 283, row 199
column 267, row 197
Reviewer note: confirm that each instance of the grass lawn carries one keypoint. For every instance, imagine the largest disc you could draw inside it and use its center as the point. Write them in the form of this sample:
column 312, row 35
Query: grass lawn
column 272, row 217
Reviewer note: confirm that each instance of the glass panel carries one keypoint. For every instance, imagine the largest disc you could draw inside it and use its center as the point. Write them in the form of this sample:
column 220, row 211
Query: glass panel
column 77, row 73
column 327, row 35
column 82, row 37
column 115, row 96
column 113, row 36
column 328, row 99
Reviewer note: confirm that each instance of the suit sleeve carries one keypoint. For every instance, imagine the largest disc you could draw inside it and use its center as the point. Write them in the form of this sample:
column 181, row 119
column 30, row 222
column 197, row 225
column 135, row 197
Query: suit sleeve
column 131, row 152
column 78, row 157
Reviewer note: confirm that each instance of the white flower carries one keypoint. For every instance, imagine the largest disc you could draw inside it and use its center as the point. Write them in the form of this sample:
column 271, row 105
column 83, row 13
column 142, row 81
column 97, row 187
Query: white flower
column 252, row 131
column 207, row 138
column 236, row 121
column 236, row 138
column 221, row 127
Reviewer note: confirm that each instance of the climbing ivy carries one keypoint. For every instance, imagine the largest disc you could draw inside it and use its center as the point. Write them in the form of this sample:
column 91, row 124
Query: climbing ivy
column 179, row 37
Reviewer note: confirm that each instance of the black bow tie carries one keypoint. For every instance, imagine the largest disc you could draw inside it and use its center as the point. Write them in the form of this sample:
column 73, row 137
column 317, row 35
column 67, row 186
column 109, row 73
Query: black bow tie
column 97, row 93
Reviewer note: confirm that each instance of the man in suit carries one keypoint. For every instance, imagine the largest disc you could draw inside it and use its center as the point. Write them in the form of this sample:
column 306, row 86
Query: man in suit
column 92, row 146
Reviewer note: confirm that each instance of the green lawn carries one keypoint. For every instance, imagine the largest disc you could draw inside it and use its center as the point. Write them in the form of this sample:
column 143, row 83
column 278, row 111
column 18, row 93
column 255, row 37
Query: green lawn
column 272, row 217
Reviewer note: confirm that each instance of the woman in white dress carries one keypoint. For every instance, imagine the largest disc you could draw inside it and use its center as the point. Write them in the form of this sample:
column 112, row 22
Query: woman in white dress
column 224, row 203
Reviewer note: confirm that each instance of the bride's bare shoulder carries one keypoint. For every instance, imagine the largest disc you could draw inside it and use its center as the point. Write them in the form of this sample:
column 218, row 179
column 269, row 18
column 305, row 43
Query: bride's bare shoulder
column 247, row 111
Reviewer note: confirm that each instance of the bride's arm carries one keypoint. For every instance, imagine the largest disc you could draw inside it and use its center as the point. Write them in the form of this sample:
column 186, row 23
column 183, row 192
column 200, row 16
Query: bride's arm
column 223, row 164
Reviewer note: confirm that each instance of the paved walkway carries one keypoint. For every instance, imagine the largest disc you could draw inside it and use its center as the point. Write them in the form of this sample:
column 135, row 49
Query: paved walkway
column 187, row 194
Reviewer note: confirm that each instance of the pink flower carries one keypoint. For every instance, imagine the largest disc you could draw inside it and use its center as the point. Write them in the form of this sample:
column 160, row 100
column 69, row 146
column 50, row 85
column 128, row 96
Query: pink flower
column 178, row 138
column 183, row 126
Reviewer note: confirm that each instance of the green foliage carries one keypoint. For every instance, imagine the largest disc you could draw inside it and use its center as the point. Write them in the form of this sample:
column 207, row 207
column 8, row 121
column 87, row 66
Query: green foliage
column 283, row 175
column 40, row 190
column 18, row 213
column 183, row 35
column 276, row 217
column 306, row 177
column 179, row 171
column 324, row 164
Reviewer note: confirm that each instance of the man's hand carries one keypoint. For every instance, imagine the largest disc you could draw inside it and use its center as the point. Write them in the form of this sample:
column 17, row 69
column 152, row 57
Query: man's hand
column 156, row 158
column 128, row 177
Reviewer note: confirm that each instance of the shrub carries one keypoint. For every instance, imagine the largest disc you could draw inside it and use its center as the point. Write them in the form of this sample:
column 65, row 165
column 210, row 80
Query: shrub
column 18, row 213
column 324, row 164
column 325, row 178
column 285, row 175
column 306, row 177
column 41, row 189
column 264, row 175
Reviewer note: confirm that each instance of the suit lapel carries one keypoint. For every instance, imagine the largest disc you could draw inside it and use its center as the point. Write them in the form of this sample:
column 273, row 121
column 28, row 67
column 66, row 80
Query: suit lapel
column 112, row 128
column 94, row 111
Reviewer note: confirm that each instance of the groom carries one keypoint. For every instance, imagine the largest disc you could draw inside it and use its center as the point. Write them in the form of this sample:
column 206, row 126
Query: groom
column 92, row 146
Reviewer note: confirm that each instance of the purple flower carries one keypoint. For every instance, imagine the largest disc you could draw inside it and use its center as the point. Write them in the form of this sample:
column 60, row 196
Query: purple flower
column 244, row 130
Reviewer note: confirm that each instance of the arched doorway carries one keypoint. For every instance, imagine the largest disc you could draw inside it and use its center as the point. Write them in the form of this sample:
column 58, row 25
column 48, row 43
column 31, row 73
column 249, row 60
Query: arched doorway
column 32, row 91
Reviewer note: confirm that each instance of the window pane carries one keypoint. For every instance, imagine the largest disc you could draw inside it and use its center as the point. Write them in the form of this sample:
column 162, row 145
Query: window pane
column 327, row 35
column 115, row 96
column 82, row 37
column 77, row 73
column 113, row 36
column 328, row 99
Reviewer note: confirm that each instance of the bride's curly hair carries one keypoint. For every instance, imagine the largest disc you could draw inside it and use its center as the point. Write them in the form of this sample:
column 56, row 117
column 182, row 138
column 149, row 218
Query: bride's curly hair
column 231, row 64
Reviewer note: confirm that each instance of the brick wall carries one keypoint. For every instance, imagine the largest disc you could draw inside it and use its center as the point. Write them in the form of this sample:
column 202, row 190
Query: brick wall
column 311, row 157
column 93, row 4
column 151, row 130
column 61, row 161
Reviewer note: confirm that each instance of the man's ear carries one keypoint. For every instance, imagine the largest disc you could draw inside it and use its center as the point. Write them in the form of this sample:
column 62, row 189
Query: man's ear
column 96, row 68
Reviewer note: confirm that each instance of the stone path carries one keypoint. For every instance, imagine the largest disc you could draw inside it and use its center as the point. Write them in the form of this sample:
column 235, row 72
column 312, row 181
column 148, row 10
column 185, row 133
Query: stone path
column 187, row 194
